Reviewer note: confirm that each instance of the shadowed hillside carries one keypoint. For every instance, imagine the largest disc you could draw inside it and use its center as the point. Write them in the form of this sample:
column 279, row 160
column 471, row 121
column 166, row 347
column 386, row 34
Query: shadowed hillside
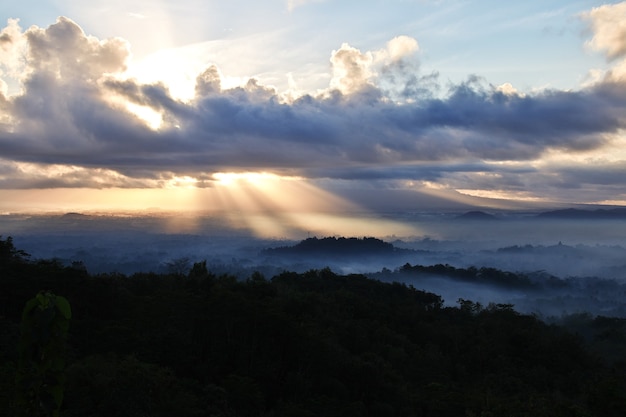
column 476, row 215
column 577, row 214
column 338, row 247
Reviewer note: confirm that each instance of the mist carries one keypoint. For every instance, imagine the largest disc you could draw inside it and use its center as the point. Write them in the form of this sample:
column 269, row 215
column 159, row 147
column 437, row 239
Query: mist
column 571, row 265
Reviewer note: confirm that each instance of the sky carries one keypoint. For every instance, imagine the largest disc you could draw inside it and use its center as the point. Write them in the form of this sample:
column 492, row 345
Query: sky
column 305, row 105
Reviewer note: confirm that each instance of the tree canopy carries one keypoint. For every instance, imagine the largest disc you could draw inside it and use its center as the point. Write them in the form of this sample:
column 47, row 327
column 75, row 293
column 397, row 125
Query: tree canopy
column 305, row 344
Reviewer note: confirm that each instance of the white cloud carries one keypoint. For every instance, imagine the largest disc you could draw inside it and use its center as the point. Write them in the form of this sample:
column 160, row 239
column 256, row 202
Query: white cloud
column 25, row 175
column 351, row 69
column 399, row 48
column 608, row 24
column 507, row 89
column 12, row 52
column 10, row 39
column 64, row 50
column 354, row 70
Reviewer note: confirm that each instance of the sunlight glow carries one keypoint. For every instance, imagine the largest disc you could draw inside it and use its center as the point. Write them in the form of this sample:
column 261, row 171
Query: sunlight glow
column 184, row 182
column 256, row 178
column 352, row 224
column 503, row 195
column 178, row 68
column 268, row 192
column 165, row 67
column 151, row 117
column 272, row 205
column 266, row 204
column 613, row 202
column 462, row 196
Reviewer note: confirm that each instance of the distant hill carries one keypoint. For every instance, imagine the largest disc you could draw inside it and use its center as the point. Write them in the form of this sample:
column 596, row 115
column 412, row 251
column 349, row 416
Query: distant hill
column 476, row 215
column 338, row 247
column 572, row 213
column 74, row 215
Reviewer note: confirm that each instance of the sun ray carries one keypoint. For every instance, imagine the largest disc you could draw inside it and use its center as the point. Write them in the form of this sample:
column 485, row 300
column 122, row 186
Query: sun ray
column 268, row 205
column 280, row 206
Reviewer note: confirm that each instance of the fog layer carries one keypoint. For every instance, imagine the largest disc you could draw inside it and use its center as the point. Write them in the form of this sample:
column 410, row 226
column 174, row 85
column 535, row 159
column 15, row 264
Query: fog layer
column 575, row 265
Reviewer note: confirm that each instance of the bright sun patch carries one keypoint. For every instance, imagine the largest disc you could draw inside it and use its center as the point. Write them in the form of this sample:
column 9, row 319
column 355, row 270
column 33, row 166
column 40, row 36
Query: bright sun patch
column 151, row 117
column 256, row 178
column 182, row 182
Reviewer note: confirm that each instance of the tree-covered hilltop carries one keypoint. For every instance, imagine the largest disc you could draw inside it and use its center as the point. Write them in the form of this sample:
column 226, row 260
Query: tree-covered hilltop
column 338, row 247
column 484, row 275
column 305, row 344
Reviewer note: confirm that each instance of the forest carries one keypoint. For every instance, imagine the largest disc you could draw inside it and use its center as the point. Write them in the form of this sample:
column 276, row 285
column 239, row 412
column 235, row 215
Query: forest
column 314, row 343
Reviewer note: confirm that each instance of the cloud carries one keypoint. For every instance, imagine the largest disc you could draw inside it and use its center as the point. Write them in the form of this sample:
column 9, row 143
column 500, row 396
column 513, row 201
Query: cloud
column 10, row 44
column 351, row 69
column 592, row 181
column 209, row 82
column 608, row 23
column 390, row 69
column 399, row 48
column 65, row 50
column 381, row 118
column 20, row 175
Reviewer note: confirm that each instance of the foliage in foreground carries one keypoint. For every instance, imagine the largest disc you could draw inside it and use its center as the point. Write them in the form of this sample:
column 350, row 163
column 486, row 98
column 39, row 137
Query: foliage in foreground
column 303, row 345
column 41, row 367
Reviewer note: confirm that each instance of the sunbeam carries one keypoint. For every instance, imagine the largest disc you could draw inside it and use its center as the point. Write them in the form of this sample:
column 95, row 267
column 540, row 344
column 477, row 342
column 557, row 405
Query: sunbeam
column 282, row 206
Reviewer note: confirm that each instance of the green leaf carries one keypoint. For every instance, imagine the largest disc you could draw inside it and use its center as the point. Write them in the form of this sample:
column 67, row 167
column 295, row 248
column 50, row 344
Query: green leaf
column 64, row 306
column 30, row 305
column 43, row 299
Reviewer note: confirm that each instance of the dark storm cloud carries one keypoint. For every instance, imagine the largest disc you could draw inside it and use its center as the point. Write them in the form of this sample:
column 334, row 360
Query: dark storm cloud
column 603, row 173
column 72, row 112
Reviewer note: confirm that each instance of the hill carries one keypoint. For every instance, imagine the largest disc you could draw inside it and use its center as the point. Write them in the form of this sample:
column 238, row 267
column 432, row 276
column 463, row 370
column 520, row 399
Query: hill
column 577, row 214
column 476, row 215
column 338, row 247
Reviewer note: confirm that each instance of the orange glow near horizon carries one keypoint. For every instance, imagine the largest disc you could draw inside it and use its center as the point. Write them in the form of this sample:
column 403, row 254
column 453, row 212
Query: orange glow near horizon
column 269, row 205
column 502, row 195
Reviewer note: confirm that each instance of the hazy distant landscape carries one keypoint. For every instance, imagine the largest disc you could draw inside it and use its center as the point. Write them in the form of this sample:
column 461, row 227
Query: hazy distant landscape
column 581, row 248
